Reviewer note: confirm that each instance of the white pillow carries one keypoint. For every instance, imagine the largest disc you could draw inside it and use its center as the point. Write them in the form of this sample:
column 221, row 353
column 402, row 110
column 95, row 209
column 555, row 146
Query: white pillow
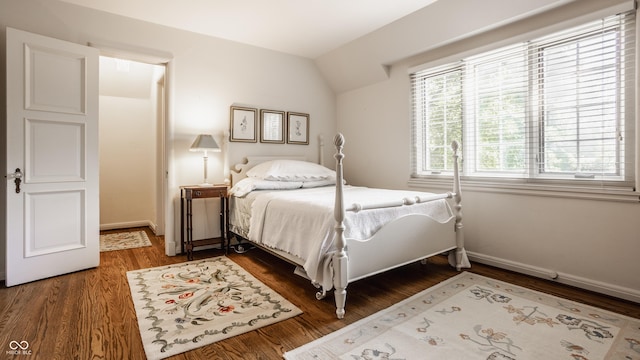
column 319, row 183
column 290, row 170
column 247, row 185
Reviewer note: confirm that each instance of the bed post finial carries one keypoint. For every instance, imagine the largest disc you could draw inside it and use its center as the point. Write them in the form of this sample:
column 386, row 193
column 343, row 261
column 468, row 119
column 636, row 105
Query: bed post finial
column 455, row 145
column 338, row 141
column 340, row 259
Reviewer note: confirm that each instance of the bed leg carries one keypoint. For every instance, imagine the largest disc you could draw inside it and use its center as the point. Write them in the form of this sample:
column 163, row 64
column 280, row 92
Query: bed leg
column 458, row 260
column 341, row 298
column 340, row 282
column 460, row 244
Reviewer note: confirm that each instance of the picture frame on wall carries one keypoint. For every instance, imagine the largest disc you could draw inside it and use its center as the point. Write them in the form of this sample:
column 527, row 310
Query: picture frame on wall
column 243, row 124
column 297, row 128
column 272, row 126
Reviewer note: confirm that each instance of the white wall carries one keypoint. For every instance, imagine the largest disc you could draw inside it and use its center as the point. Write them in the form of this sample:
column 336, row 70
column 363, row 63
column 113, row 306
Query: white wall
column 205, row 77
column 128, row 150
column 589, row 243
column 127, row 162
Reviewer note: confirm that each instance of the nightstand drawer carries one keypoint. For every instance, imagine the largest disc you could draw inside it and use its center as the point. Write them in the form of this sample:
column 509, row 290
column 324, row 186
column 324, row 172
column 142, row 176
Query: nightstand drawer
column 205, row 192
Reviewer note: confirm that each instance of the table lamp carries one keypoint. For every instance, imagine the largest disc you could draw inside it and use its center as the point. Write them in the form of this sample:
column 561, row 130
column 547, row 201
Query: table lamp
column 205, row 142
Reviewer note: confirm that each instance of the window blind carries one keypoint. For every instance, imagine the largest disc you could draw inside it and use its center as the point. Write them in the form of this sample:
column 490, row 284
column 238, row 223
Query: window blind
column 560, row 107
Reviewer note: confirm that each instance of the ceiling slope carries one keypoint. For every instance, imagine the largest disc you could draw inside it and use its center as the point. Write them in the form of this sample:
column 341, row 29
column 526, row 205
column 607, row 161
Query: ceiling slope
column 307, row 28
column 366, row 60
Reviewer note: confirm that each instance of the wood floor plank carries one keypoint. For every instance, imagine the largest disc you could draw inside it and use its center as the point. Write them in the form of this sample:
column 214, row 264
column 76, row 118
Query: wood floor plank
column 90, row 314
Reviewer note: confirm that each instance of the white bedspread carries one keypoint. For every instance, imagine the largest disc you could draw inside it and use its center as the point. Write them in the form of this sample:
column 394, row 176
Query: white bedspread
column 301, row 222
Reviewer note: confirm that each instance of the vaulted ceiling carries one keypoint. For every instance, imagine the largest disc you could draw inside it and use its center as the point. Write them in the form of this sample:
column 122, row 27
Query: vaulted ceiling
column 308, row 28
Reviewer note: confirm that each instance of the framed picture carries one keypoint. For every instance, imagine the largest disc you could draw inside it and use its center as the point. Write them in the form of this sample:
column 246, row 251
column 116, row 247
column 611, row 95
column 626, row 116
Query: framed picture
column 243, row 124
column 297, row 128
column 272, row 126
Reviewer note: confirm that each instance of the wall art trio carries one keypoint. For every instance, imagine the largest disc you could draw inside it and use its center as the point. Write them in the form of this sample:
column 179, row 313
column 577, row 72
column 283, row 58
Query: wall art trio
column 275, row 127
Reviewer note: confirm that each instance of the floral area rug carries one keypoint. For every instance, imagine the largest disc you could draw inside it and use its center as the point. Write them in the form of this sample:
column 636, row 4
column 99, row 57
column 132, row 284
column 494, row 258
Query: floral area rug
column 184, row 306
column 124, row 240
column 474, row 317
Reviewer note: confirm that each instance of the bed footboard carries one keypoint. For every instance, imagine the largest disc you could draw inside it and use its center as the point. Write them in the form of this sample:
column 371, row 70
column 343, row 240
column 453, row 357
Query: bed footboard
column 407, row 233
column 403, row 241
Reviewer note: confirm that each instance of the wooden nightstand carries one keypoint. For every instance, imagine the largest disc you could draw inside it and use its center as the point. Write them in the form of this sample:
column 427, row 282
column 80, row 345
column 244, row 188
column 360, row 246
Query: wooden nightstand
column 187, row 194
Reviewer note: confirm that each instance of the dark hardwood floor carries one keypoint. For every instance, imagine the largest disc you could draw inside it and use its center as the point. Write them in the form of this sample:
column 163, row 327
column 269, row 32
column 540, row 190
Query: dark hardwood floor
column 90, row 315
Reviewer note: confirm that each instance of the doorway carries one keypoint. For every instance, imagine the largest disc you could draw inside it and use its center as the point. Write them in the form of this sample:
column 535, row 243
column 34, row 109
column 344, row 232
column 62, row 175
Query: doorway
column 132, row 118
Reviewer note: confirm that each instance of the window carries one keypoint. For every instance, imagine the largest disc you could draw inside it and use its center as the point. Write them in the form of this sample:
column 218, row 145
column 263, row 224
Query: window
column 558, row 108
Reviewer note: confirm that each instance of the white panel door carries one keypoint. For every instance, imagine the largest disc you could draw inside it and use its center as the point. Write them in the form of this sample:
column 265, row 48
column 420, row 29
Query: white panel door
column 52, row 157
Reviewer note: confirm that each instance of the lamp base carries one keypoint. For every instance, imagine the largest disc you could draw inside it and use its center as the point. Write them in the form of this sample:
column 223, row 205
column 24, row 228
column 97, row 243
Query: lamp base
column 205, row 184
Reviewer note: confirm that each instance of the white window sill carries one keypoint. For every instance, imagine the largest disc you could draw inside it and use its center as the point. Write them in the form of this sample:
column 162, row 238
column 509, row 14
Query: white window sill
column 516, row 187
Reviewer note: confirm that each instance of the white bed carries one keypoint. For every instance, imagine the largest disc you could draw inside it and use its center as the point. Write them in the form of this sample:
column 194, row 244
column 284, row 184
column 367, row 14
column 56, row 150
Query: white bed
column 298, row 216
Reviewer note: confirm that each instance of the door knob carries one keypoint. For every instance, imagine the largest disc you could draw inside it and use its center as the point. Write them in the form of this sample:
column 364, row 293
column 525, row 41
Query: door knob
column 17, row 178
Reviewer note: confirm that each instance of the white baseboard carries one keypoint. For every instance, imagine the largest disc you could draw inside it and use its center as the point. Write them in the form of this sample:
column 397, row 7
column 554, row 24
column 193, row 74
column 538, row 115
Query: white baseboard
column 567, row 279
column 129, row 224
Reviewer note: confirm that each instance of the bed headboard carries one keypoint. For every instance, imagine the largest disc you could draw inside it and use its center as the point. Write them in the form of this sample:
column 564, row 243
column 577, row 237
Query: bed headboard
column 239, row 171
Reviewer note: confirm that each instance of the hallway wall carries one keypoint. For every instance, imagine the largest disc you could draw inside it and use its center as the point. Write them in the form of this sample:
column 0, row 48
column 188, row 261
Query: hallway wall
column 129, row 125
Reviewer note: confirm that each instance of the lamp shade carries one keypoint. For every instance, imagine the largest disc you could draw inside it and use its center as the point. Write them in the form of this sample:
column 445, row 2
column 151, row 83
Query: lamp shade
column 204, row 142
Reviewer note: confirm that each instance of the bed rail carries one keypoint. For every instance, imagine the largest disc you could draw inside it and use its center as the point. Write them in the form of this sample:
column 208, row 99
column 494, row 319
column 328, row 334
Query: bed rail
column 357, row 207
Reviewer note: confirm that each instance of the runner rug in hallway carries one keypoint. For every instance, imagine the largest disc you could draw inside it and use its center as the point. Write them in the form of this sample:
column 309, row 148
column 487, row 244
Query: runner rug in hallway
column 475, row 317
column 184, row 306
column 124, row 240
